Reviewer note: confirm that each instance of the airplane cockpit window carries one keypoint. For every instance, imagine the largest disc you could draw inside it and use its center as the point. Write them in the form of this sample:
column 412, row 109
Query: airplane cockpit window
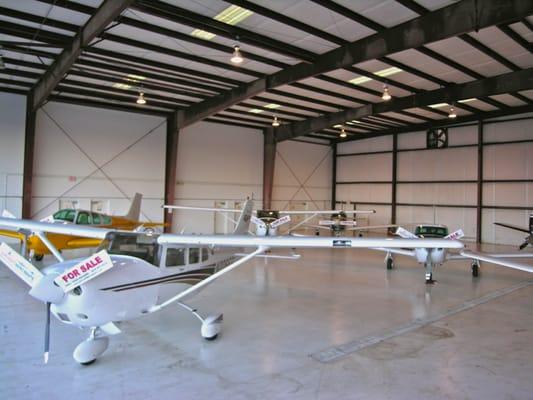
column 141, row 246
column 106, row 220
column 65, row 215
column 205, row 254
column 96, row 219
column 83, row 218
column 175, row 257
column 194, row 255
column 431, row 231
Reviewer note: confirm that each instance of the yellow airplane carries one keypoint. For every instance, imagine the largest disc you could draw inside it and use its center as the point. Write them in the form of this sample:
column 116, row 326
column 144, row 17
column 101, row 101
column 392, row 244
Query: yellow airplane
column 37, row 249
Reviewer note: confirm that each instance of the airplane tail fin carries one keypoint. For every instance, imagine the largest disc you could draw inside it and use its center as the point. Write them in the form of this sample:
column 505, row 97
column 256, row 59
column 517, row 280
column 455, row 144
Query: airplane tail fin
column 243, row 223
column 134, row 212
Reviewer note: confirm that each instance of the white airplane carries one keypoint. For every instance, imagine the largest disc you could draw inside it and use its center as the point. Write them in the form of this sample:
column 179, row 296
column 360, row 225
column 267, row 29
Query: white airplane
column 431, row 257
column 267, row 222
column 134, row 274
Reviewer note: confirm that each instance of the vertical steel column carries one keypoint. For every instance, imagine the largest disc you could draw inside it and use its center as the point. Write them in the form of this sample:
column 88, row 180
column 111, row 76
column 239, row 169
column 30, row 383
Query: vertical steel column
column 479, row 219
column 171, row 159
column 334, row 177
column 394, row 177
column 269, row 159
column 29, row 147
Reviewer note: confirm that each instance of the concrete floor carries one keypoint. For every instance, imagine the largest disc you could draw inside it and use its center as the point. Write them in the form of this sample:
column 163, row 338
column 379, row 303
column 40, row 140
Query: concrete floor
column 278, row 319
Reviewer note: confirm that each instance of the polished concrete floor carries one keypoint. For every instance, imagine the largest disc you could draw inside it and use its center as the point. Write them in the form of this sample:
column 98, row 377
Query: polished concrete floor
column 280, row 319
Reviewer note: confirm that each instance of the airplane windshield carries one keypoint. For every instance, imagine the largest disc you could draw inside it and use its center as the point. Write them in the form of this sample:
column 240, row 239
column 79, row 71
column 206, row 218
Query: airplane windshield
column 65, row 215
column 141, row 246
column 431, row 231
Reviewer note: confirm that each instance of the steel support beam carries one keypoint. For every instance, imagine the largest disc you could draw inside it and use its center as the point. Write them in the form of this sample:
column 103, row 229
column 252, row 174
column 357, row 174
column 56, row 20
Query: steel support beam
column 479, row 211
column 269, row 162
column 171, row 160
column 106, row 13
column 29, row 147
column 334, row 176
column 394, row 185
column 453, row 20
column 506, row 83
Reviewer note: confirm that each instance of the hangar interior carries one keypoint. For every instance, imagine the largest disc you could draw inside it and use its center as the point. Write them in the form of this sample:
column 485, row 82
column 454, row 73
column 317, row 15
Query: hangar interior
column 302, row 122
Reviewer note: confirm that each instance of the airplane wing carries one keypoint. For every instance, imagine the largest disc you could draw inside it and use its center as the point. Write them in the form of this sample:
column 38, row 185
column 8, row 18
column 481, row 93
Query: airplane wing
column 64, row 229
column 321, row 212
column 514, row 227
column 495, row 260
column 306, row 242
column 231, row 210
column 403, row 252
column 12, row 234
column 371, row 227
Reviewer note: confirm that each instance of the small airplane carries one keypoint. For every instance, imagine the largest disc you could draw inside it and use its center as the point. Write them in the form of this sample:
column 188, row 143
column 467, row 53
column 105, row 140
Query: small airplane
column 133, row 274
column 438, row 256
column 267, row 222
column 37, row 247
column 529, row 239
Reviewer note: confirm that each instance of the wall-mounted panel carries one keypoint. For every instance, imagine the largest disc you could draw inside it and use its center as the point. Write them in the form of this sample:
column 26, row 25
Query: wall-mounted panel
column 382, row 143
column 438, row 193
column 441, row 164
column 12, row 126
column 508, row 161
column 509, row 130
column 371, row 167
column 365, row 192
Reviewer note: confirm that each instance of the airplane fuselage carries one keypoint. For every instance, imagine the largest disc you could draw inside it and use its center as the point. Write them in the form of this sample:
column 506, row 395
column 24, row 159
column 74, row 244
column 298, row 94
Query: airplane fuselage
column 130, row 288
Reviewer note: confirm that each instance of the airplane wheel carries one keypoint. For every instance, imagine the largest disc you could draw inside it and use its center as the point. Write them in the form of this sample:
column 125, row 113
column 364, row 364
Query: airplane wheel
column 210, row 339
column 39, row 257
column 390, row 263
column 475, row 270
column 88, row 362
column 430, row 281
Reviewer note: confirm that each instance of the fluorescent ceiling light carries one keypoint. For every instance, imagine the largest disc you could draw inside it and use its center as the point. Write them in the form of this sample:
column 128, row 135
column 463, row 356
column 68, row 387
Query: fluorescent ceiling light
column 122, row 86
column 382, row 73
column 137, row 77
column 272, row 106
column 349, row 123
column 202, row 34
column 337, row 126
column 231, row 16
column 255, row 110
column 359, row 80
column 388, row 71
column 438, row 105
column 467, row 100
column 356, row 121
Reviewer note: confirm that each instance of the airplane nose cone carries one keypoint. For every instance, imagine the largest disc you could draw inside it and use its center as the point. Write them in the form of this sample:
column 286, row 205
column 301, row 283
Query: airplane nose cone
column 47, row 291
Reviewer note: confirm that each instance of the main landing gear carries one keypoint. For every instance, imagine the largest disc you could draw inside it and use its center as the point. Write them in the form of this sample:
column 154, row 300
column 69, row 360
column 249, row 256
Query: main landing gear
column 211, row 325
column 475, row 268
column 389, row 261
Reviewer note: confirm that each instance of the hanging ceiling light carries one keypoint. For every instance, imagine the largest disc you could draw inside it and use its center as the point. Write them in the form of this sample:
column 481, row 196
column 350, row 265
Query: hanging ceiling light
column 452, row 113
column 141, row 99
column 275, row 122
column 237, row 56
column 386, row 95
column 343, row 133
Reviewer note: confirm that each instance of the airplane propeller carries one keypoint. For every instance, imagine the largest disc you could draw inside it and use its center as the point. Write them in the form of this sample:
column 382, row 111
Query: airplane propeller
column 47, row 333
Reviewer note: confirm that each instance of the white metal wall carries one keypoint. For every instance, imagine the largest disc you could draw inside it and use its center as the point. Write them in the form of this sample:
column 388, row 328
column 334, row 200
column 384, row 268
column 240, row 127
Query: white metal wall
column 418, row 169
column 218, row 165
column 73, row 142
column 12, row 126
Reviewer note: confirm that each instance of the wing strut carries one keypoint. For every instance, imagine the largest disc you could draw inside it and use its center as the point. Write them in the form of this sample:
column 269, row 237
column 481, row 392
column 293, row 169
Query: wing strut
column 207, row 281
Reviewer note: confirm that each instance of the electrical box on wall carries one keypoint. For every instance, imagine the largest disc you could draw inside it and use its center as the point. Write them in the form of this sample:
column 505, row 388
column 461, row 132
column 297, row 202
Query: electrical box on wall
column 437, row 138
